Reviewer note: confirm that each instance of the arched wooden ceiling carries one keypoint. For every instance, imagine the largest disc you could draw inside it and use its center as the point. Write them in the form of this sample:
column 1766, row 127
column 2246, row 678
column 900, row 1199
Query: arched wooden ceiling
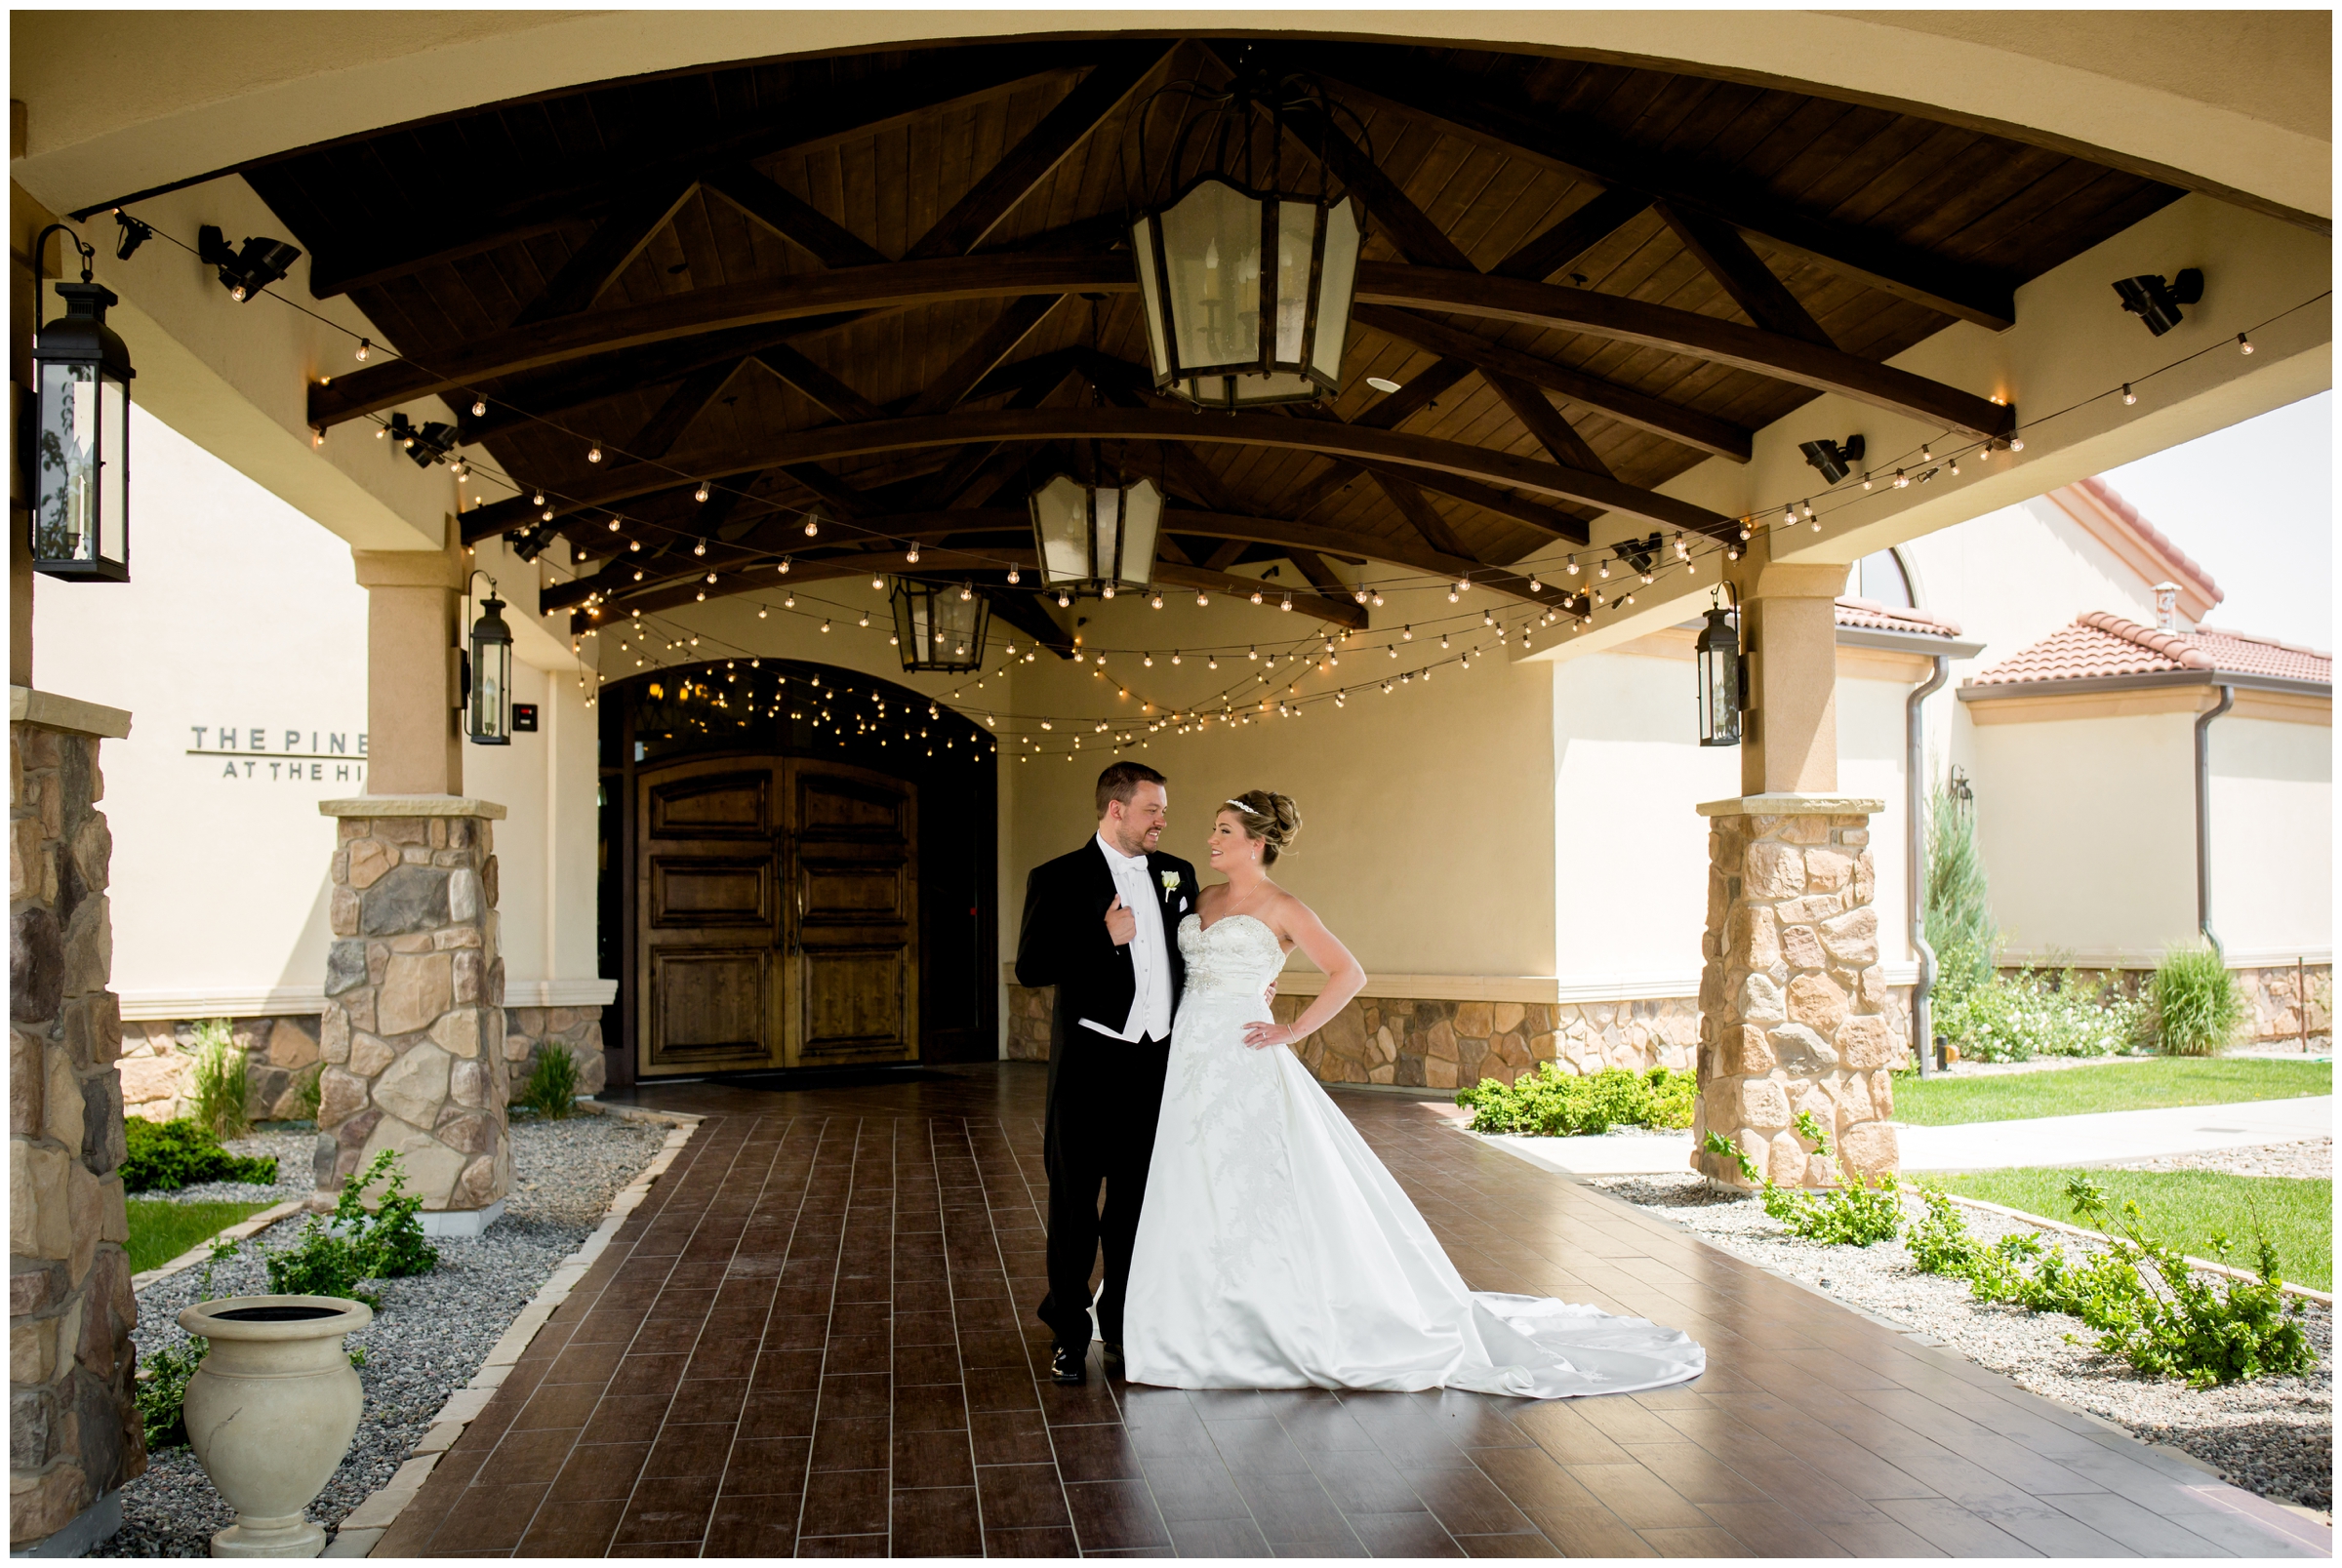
column 896, row 285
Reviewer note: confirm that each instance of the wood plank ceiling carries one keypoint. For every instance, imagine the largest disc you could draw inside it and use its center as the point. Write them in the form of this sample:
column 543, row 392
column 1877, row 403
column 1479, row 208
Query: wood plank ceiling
column 895, row 287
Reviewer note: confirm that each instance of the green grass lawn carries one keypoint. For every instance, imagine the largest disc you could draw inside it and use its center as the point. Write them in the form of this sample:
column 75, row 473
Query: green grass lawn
column 2185, row 1207
column 160, row 1229
column 1952, row 1100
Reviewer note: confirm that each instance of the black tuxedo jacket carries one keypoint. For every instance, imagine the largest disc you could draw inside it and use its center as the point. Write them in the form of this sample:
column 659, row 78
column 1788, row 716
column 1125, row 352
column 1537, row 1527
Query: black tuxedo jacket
column 1064, row 941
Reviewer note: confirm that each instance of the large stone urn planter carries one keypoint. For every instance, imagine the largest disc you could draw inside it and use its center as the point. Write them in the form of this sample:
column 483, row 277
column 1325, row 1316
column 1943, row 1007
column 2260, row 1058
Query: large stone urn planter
column 272, row 1411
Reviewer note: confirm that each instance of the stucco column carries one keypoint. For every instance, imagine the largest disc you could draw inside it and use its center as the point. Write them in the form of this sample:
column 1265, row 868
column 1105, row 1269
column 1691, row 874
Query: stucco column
column 74, row 1434
column 414, row 736
column 413, row 1033
column 1789, row 615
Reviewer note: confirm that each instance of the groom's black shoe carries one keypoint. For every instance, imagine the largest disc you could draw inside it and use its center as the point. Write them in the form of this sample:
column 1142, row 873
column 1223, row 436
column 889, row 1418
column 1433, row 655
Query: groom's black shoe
column 1065, row 1366
column 1111, row 1355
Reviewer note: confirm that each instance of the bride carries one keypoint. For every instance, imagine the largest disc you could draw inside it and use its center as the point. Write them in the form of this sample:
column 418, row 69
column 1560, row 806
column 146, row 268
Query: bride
column 1275, row 1251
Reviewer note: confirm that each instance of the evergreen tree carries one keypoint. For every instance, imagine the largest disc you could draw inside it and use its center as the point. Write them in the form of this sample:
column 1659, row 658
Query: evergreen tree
column 1958, row 914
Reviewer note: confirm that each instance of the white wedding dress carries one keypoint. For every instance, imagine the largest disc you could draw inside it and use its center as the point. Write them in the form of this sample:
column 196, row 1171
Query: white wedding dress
column 1275, row 1251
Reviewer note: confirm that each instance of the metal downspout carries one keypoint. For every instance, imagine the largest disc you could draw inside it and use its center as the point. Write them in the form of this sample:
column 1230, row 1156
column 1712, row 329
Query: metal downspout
column 2203, row 817
column 1915, row 831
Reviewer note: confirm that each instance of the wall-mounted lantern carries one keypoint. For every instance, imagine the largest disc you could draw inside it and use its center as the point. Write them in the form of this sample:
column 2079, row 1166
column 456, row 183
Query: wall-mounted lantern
column 1722, row 688
column 1246, row 286
column 81, row 448
column 488, row 705
column 940, row 629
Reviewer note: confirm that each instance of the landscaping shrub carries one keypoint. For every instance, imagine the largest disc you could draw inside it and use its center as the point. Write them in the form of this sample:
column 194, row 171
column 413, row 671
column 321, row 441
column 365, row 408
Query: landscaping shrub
column 216, row 1080
column 2015, row 1017
column 2149, row 1305
column 162, row 1392
column 308, row 1090
column 1853, row 1215
column 334, row 1258
column 551, row 1087
column 1555, row 1104
column 167, row 1155
column 1959, row 916
column 2194, row 1005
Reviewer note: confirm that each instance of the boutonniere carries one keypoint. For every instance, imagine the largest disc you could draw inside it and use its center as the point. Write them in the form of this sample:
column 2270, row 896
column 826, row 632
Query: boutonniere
column 1170, row 883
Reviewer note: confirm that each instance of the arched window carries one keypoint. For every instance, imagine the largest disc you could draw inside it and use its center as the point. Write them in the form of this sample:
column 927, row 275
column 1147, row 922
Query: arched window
column 1882, row 578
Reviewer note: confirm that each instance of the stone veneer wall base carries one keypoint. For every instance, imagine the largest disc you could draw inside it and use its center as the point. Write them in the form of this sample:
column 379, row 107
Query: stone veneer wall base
column 91, row 1526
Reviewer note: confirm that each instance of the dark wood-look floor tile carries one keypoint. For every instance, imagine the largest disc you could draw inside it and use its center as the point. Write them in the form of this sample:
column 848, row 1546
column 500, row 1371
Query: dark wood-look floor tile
column 767, row 1465
column 1051, row 1542
column 1589, row 1532
column 1290, row 1508
column 866, row 1545
column 1101, row 1452
column 582, row 1528
column 937, row 1522
column 758, row 1524
column 1022, row 1496
column 1404, row 1535
column 1114, row 1515
column 1638, row 1497
column 1218, row 1538
column 859, row 1443
column 492, row 1518
column 1010, row 1437
column 1467, row 1501
column 932, row 1459
column 534, row 1455
column 668, row 1509
column 1513, row 1546
column 1344, row 1545
column 1709, row 1540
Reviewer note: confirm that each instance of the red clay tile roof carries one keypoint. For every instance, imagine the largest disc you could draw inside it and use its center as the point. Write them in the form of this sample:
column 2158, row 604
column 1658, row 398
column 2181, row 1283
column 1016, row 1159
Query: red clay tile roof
column 1870, row 615
column 2099, row 645
column 2113, row 501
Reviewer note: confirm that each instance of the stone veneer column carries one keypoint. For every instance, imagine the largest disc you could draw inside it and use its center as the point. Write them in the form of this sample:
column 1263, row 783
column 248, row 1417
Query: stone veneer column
column 1793, row 1005
column 74, row 1435
column 413, row 1033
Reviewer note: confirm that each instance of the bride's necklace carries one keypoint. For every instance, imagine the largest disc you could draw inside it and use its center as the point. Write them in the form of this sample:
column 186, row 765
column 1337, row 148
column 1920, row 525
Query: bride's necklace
column 1232, row 909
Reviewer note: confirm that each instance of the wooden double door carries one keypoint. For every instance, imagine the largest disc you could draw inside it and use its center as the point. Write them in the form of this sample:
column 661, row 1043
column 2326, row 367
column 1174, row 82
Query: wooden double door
column 775, row 916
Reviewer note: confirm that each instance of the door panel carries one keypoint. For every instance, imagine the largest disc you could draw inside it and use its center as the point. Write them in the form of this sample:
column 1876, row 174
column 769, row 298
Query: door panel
column 708, row 928
column 853, row 882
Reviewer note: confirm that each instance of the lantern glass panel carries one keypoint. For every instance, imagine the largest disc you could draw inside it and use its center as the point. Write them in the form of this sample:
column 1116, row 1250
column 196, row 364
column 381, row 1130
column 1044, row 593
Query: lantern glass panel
column 1106, row 567
column 1061, row 522
column 1336, row 283
column 490, row 721
column 1718, row 652
column 1151, row 289
column 113, row 467
column 1212, row 250
column 69, row 486
column 1296, row 244
column 1141, row 516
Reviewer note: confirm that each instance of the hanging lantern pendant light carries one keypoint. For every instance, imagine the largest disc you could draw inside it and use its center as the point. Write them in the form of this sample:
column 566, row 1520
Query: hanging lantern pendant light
column 1247, row 288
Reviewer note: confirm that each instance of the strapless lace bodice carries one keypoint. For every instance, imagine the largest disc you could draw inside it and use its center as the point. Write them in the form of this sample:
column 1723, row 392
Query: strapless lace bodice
column 1237, row 956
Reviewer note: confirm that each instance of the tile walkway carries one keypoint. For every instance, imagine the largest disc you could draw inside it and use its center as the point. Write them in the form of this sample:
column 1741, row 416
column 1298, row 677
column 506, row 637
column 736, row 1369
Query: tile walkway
column 816, row 1339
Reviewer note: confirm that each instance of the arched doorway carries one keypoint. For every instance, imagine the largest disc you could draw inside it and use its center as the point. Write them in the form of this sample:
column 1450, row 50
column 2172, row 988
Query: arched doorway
column 798, row 871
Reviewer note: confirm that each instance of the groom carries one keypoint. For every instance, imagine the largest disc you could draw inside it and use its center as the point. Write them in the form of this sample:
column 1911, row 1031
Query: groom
column 1102, row 926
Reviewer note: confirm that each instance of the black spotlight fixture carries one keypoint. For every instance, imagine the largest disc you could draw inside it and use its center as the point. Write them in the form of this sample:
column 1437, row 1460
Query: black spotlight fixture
column 527, row 543
column 2157, row 302
column 425, row 444
column 1640, row 554
column 133, row 235
column 245, row 273
column 1834, row 460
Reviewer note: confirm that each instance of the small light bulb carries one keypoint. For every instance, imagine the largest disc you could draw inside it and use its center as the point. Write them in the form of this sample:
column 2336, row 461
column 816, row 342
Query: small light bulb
column 2129, row 396
column 1256, row 595
column 1902, row 480
column 2016, row 442
column 1106, row 590
column 813, row 525
column 1865, row 484
column 699, row 548
column 365, row 351
column 1203, row 599
column 1288, row 603
column 701, row 494
column 1535, row 586
column 1065, row 601
column 1013, row 578
column 1606, row 571
column 784, row 566
column 479, row 406
column 966, row 592
column 593, row 454
column 911, row 555
column 1156, row 600
column 317, row 437
column 614, row 528
column 2244, row 343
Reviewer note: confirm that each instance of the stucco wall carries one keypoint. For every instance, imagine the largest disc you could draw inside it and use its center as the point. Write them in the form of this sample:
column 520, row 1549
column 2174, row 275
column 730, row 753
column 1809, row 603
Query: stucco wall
column 2273, row 837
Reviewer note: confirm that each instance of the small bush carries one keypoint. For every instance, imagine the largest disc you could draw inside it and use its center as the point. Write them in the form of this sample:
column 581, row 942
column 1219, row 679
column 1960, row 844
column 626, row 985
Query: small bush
column 2194, row 1006
column 216, row 1081
column 162, row 1392
column 1852, row 1215
column 2149, row 1305
column 308, row 1090
column 551, row 1087
column 335, row 1257
column 167, row 1155
column 1958, row 917
column 2034, row 1012
column 1553, row 1104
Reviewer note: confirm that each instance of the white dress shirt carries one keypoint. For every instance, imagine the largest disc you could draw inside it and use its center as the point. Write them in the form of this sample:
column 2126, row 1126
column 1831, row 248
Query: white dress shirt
column 1150, row 956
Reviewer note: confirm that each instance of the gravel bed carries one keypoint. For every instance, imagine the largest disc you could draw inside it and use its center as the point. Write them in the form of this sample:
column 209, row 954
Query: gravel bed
column 2273, row 1436
column 427, row 1339
column 2311, row 1158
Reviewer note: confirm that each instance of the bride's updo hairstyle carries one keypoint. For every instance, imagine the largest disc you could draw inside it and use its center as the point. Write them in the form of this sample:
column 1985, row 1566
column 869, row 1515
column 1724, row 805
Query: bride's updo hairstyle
column 1270, row 821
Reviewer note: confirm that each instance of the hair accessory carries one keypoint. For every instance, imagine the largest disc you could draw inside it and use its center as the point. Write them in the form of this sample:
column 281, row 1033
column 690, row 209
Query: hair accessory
column 1249, row 811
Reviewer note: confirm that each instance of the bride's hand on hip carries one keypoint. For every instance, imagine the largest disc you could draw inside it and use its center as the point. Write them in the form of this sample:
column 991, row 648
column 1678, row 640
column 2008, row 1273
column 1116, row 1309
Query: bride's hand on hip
column 1260, row 1036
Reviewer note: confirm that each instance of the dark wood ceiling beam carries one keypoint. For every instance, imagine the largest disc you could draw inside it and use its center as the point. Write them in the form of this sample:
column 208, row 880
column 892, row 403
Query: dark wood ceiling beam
column 1224, row 557
column 1481, row 109
column 631, row 224
column 799, row 222
column 1689, row 427
column 1545, row 421
column 686, row 403
column 1025, row 166
column 1753, row 286
column 1421, row 391
column 377, row 387
column 1417, row 508
column 1573, row 236
column 850, row 501
column 1751, row 348
column 1340, row 611
column 995, row 343
column 705, row 311
column 811, row 121
column 818, row 383
column 1322, row 576
column 1467, row 472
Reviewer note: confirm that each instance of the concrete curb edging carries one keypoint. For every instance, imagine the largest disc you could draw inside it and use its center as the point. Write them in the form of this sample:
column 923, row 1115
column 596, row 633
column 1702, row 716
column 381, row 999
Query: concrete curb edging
column 201, row 1252
column 363, row 1528
column 2204, row 1265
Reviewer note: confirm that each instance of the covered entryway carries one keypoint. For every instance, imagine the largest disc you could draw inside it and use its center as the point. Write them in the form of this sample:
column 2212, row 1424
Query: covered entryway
column 796, row 871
